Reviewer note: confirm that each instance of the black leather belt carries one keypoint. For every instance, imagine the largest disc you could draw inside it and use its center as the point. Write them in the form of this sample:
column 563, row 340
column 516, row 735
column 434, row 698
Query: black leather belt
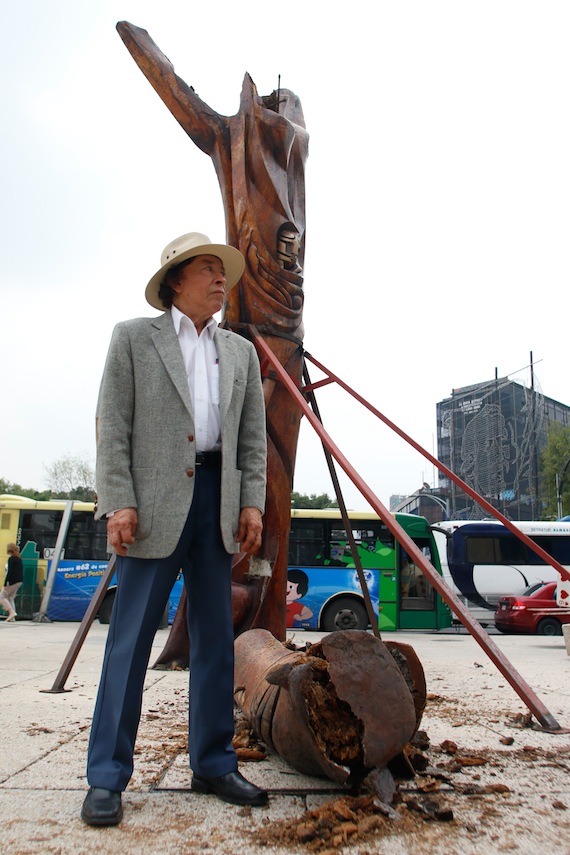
column 211, row 459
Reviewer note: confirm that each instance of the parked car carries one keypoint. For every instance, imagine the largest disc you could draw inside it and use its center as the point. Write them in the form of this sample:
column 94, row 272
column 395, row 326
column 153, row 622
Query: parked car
column 533, row 611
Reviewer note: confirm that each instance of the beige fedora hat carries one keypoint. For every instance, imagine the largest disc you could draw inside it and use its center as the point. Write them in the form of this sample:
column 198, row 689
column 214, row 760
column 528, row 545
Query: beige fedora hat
column 188, row 246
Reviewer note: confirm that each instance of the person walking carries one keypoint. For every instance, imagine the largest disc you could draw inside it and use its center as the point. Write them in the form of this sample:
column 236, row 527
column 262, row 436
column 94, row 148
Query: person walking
column 180, row 472
column 13, row 582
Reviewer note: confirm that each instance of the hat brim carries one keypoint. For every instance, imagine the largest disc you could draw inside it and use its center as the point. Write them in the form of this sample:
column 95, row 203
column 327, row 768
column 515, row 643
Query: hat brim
column 231, row 258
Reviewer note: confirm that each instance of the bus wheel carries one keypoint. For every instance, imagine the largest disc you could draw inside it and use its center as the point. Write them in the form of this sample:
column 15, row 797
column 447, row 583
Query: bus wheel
column 106, row 608
column 549, row 626
column 345, row 613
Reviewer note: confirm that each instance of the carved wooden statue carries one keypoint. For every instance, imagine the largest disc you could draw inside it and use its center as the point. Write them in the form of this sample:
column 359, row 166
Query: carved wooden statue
column 259, row 156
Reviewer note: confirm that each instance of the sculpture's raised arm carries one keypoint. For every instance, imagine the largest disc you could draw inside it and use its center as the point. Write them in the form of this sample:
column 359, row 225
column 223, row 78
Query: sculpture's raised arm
column 202, row 124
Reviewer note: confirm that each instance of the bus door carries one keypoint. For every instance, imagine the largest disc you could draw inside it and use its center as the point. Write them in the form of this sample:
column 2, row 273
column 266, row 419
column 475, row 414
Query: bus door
column 417, row 594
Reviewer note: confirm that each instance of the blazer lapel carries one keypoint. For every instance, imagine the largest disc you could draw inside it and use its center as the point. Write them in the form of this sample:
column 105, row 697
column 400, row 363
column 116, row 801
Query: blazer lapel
column 168, row 347
column 226, row 357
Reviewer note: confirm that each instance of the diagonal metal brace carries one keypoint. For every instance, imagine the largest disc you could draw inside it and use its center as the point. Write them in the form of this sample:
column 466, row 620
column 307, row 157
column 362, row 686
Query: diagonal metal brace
column 521, row 687
column 83, row 629
column 538, row 550
column 343, row 512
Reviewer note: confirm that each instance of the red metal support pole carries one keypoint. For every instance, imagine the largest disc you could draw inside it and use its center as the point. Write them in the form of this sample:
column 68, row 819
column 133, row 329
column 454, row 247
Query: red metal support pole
column 83, row 629
column 538, row 550
column 521, row 687
column 344, row 513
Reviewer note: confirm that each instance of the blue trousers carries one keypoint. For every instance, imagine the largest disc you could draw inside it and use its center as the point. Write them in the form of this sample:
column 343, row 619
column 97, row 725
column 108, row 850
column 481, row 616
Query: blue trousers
column 143, row 589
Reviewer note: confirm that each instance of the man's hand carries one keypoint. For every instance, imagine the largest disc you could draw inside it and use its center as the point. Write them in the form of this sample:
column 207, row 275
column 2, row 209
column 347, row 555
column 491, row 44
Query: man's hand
column 250, row 528
column 121, row 529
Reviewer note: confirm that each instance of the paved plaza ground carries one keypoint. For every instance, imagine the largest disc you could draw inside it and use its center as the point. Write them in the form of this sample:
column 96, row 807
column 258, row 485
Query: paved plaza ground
column 493, row 782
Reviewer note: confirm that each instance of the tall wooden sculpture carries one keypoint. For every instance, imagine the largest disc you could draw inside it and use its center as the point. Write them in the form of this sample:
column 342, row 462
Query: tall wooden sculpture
column 259, row 156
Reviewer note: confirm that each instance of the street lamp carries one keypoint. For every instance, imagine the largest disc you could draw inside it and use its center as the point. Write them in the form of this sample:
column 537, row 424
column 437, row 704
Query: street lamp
column 559, row 482
column 424, row 494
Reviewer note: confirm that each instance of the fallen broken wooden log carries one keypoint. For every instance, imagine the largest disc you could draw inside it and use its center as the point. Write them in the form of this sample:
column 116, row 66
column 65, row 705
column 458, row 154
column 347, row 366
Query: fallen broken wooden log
column 341, row 708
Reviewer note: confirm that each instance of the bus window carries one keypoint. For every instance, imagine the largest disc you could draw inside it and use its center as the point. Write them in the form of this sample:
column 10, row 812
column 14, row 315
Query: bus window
column 307, row 543
column 367, row 541
column 558, row 547
column 41, row 528
column 86, row 538
column 495, row 550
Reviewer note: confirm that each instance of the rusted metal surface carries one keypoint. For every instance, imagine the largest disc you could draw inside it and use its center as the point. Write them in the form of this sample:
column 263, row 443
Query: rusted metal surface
column 83, row 629
column 339, row 709
column 343, row 512
column 495, row 654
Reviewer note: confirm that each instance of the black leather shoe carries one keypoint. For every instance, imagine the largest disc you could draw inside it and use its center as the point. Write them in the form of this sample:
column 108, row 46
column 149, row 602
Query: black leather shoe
column 102, row 807
column 232, row 788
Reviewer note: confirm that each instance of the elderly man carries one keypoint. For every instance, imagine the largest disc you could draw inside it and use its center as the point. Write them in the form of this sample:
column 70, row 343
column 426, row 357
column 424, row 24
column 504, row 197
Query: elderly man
column 181, row 467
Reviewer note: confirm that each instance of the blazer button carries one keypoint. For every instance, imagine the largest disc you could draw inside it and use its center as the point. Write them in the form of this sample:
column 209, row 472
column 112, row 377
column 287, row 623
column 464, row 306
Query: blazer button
column 190, row 437
column 190, row 472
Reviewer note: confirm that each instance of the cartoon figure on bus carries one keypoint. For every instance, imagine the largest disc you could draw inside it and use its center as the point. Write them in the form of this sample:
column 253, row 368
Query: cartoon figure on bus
column 297, row 587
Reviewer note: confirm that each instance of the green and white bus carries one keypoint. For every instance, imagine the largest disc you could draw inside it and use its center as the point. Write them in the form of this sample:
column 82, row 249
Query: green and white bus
column 323, row 589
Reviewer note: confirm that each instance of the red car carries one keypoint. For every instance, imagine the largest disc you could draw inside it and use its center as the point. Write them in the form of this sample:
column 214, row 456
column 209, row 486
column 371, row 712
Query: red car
column 533, row 611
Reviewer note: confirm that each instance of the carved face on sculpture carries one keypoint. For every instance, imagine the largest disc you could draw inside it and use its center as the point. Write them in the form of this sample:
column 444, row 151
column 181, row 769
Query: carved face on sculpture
column 288, row 244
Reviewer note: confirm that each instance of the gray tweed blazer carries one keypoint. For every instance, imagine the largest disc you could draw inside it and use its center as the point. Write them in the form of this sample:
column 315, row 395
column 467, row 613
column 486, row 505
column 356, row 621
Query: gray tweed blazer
column 145, row 428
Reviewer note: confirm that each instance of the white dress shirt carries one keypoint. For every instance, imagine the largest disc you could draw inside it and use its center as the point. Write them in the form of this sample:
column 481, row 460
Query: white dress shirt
column 202, row 368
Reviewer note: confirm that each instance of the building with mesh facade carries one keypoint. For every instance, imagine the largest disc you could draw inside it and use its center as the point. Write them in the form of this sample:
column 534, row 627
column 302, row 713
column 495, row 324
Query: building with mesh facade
column 491, row 434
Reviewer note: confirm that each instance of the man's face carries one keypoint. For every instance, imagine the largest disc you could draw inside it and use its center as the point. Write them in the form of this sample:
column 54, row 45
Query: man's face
column 200, row 291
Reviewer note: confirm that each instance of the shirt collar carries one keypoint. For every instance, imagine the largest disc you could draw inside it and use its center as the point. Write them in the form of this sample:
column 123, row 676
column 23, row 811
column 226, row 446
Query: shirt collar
column 209, row 327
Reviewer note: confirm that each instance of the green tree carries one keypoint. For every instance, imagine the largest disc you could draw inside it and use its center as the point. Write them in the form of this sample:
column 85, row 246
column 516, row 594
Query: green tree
column 14, row 489
column 553, row 459
column 314, row 502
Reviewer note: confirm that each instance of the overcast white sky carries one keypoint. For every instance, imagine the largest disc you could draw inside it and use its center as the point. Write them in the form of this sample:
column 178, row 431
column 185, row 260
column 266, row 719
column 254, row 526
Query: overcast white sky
column 438, row 199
